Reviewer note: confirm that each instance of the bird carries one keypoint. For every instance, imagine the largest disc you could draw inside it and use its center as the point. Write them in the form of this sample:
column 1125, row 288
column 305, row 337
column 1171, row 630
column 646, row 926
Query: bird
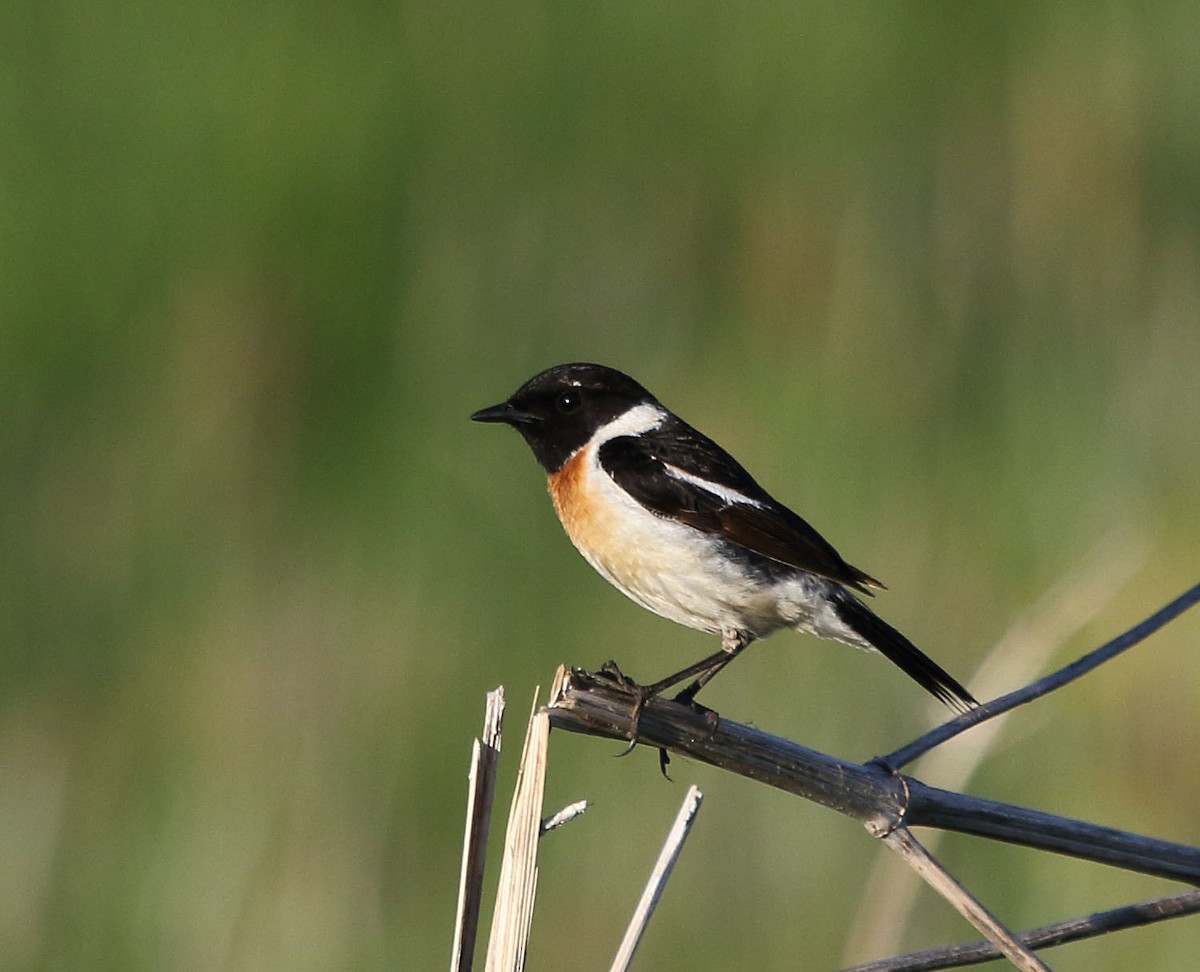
column 675, row 523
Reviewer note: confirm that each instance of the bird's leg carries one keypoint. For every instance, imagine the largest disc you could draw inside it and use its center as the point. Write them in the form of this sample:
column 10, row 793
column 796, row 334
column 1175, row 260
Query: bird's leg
column 717, row 660
column 644, row 693
column 733, row 643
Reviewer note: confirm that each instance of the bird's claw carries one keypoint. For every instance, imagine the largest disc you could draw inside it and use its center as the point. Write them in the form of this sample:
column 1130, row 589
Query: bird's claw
column 612, row 672
column 664, row 760
column 643, row 694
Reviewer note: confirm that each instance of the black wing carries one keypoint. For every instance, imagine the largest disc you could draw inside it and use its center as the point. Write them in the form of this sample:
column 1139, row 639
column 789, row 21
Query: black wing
column 638, row 464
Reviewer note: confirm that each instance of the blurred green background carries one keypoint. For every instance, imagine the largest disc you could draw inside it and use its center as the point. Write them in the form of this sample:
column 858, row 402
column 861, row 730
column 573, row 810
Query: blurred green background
column 932, row 271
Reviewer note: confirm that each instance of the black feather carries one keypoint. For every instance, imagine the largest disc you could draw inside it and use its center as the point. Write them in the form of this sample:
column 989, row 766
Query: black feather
column 638, row 465
column 903, row 653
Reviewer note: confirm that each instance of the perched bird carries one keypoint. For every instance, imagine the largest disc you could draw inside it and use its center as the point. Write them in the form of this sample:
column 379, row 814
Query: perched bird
column 674, row 522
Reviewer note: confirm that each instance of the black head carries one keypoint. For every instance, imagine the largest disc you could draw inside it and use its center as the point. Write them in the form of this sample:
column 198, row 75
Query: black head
column 559, row 410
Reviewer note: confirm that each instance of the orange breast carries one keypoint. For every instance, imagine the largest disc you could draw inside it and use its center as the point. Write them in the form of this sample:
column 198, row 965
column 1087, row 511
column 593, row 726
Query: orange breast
column 664, row 566
column 627, row 543
column 571, row 501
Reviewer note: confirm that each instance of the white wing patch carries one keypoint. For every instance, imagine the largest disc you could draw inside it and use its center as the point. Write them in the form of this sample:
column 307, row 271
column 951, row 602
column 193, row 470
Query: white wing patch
column 724, row 492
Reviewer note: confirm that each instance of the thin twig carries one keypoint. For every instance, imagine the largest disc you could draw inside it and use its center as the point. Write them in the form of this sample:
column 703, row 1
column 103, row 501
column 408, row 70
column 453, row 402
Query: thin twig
column 1048, row 936
column 937, row 877
column 658, row 879
column 1035, row 690
column 485, row 754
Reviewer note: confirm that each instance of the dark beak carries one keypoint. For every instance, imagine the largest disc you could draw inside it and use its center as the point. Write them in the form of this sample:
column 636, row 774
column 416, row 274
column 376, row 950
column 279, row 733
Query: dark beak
column 504, row 412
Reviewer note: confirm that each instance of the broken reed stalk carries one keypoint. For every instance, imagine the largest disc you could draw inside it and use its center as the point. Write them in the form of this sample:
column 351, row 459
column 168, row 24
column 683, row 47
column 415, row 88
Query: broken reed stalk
column 481, row 782
column 881, row 801
column 512, row 915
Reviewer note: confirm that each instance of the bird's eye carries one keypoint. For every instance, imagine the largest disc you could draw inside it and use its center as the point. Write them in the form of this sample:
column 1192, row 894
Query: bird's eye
column 568, row 401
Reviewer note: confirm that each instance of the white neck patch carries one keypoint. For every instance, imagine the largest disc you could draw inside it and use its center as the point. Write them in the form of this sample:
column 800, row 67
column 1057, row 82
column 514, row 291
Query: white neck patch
column 634, row 421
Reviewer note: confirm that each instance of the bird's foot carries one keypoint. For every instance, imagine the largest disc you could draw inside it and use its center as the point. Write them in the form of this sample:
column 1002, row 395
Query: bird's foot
column 688, row 695
column 711, row 717
column 643, row 694
column 611, row 671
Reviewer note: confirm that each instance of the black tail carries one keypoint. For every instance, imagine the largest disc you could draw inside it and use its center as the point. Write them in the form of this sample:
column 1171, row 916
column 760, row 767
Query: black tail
column 901, row 652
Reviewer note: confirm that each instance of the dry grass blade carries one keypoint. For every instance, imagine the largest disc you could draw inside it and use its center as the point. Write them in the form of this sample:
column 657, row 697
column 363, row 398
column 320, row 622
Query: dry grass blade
column 513, row 913
column 658, row 878
column 485, row 754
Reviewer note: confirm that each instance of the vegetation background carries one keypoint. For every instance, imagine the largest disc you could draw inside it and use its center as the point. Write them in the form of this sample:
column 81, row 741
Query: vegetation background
column 931, row 270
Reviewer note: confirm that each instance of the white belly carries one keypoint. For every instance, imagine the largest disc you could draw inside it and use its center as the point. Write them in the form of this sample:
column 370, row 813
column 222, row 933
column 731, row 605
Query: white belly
column 675, row 570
